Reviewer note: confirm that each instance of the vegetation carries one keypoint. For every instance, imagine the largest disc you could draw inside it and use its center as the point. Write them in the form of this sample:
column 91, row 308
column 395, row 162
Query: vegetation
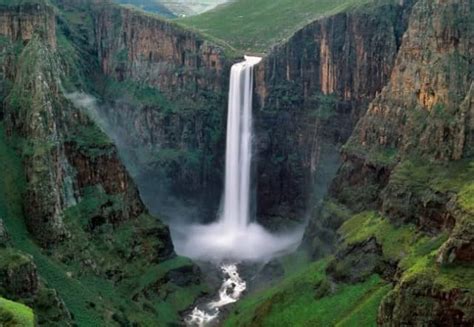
column 23, row 2
column 14, row 314
column 90, row 296
column 149, row 5
column 90, row 139
column 306, row 298
column 254, row 26
column 423, row 177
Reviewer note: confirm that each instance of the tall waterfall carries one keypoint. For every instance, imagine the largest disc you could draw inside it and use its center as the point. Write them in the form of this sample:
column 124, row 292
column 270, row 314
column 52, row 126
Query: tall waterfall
column 234, row 237
column 236, row 209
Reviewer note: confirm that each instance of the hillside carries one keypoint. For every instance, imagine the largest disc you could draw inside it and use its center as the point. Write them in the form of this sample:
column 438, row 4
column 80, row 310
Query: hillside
column 114, row 134
column 254, row 26
column 174, row 8
column 153, row 6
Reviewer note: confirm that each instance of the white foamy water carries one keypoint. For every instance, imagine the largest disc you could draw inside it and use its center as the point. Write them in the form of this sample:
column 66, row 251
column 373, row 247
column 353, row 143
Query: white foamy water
column 230, row 292
column 234, row 236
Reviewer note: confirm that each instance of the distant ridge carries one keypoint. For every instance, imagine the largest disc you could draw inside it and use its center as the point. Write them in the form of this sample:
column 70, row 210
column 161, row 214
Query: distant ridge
column 154, row 6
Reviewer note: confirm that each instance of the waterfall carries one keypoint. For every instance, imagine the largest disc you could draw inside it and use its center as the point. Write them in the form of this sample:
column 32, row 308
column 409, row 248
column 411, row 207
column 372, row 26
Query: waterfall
column 234, row 237
column 236, row 208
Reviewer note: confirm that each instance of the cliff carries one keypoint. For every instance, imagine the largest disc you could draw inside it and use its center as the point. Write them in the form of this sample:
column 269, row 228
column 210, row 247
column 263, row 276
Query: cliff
column 410, row 159
column 68, row 199
column 311, row 91
column 19, row 22
column 166, row 90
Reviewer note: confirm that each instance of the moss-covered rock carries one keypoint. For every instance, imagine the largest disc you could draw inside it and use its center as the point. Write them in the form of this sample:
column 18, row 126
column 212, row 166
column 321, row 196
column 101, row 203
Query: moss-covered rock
column 357, row 262
column 18, row 275
column 427, row 295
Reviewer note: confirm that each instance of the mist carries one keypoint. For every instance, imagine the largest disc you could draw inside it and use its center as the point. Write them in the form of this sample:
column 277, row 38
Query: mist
column 217, row 243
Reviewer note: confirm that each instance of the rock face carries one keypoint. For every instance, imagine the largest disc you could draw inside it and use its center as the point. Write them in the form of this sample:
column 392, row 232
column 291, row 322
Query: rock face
column 19, row 280
column 56, row 168
column 21, row 22
column 356, row 262
column 311, row 92
column 419, row 302
column 160, row 53
column 173, row 110
column 426, row 109
column 4, row 237
column 78, row 200
column 403, row 158
column 18, row 274
column 459, row 248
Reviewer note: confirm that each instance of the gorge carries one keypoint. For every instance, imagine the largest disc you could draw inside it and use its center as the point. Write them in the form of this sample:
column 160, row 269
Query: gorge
column 150, row 177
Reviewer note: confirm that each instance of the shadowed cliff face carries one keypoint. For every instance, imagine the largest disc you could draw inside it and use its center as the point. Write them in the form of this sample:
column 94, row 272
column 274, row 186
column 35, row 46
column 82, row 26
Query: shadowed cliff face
column 69, row 192
column 59, row 162
column 311, row 92
column 171, row 105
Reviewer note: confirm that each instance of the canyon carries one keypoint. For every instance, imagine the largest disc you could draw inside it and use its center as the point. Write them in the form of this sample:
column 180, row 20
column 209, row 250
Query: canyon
column 113, row 127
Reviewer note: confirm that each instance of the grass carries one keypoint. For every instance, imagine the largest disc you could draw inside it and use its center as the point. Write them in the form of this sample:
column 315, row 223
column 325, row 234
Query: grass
column 293, row 302
column 89, row 297
column 12, row 185
column 365, row 314
column 415, row 251
column 254, row 26
column 426, row 178
column 14, row 314
column 396, row 241
column 148, row 5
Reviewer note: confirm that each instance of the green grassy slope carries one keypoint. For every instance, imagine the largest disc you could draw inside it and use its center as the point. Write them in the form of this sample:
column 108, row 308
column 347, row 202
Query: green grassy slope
column 254, row 26
column 153, row 6
column 15, row 314
column 89, row 297
column 305, row 299
column 12, row 185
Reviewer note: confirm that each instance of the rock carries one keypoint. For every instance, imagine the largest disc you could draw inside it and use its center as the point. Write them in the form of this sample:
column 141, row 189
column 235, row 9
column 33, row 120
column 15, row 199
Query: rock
column 20, row 22
column 420, row 302
column 459, row 248
column 18, row 275
column 4, row 237
column 184, row 276
column 428, row 84
column 310, row 92
column 356, row 262
column 180, row 124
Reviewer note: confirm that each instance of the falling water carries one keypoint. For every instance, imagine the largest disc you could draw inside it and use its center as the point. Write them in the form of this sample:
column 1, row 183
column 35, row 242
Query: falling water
column 236, row 210
column 234, row 236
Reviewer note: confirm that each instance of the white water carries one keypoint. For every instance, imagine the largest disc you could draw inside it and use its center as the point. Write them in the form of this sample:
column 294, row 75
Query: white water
column 234, row 236
column 230, row 292
column 236, row 211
